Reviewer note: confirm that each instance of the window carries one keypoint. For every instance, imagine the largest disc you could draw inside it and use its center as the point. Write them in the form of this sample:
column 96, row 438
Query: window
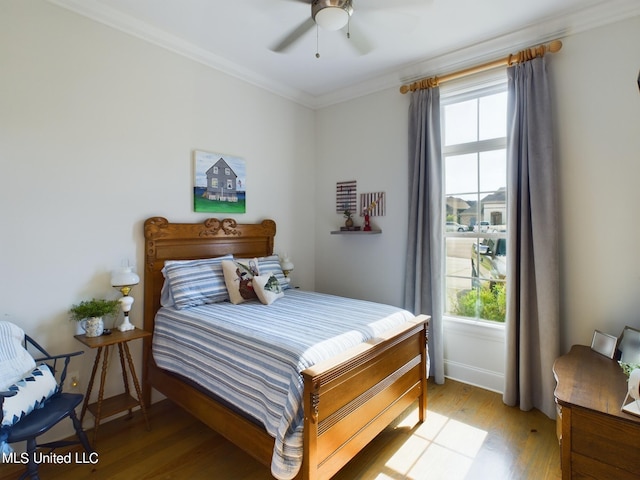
column 475, row 186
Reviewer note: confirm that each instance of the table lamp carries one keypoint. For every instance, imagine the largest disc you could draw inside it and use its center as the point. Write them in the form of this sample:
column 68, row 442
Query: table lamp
column 123, row 279
column 287, row 265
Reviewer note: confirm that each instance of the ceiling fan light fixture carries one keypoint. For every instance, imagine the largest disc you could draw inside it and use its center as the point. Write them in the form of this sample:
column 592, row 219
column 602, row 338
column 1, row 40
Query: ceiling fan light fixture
column 331, row 14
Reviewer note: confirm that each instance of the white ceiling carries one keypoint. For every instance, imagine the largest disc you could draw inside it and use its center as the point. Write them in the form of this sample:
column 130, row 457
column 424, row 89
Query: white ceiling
column 408, row 38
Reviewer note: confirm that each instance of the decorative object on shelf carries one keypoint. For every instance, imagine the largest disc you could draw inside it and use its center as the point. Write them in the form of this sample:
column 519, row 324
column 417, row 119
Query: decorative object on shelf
column 372, row 205
column 349, row 220
column 219, row 183
column 123, row 279
column 286, row 264
column 89, row 315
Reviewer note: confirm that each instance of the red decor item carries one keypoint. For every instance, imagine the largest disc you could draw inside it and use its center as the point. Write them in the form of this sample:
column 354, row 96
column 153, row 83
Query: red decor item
column 367, row 225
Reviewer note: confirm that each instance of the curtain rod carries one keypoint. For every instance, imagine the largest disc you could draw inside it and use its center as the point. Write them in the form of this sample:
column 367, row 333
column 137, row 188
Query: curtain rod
column 522, row 56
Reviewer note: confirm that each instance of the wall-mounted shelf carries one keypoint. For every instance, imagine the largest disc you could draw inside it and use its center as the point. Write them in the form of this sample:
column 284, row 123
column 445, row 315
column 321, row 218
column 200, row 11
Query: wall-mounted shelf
column 355, row 232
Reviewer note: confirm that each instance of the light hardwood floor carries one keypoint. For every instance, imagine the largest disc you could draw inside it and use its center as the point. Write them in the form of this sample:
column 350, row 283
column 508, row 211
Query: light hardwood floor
column 469, row 434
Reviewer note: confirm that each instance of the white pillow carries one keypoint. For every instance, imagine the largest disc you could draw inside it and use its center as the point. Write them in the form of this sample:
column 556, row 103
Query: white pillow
column 267, row 288
column 15, row 361
column 31, row 392
column 238, row 276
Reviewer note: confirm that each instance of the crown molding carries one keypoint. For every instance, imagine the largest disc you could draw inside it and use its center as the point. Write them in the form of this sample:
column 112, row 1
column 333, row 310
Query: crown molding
column 559, row 26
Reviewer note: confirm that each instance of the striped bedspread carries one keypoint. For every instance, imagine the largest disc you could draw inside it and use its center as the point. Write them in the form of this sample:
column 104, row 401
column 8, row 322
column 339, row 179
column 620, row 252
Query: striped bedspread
column 251, row 355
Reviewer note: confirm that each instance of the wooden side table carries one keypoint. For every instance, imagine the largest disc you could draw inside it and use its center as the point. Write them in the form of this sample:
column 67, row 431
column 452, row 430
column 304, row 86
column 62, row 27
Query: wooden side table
column 104, row 408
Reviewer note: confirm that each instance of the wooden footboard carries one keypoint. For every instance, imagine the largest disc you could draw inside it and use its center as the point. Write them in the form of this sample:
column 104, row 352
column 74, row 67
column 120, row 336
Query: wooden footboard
column 347, row 400
column 352, row 398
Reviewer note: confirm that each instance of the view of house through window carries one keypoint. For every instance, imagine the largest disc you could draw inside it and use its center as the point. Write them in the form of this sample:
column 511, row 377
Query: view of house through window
column 475, row 183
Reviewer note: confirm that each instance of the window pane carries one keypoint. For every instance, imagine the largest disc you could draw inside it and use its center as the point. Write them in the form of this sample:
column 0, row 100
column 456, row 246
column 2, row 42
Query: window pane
column 461, row 122
column 475, row 274
column 461, row 173
column 458, row 271
column 493, row 170
column 478, row 302
column 493, row 114
column 461, row 213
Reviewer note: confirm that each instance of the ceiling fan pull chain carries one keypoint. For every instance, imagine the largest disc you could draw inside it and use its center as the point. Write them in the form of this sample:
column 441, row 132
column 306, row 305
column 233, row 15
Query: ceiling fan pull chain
column 317, row 42
column 349, row 27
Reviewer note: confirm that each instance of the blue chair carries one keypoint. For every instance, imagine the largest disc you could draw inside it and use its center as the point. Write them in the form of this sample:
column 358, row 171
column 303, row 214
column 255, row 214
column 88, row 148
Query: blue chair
column 47, row 414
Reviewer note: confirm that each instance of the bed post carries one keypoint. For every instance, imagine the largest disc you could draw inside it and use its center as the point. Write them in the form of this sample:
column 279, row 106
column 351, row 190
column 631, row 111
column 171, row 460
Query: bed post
column 310, row 433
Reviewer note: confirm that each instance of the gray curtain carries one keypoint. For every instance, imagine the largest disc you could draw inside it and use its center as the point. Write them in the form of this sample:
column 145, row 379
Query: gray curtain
column 423, row 285
column 532, row 327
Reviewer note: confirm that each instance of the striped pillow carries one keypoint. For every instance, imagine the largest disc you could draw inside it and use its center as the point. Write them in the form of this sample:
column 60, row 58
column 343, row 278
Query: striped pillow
column 195, row 282
column 271, row 265
column 15, row 360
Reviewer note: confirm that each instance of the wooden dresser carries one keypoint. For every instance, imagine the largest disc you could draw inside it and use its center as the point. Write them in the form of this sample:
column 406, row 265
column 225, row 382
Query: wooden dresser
column 598, row 440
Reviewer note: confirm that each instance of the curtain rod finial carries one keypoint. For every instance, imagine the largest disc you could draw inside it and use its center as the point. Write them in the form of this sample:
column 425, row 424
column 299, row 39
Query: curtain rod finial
column 555, row 46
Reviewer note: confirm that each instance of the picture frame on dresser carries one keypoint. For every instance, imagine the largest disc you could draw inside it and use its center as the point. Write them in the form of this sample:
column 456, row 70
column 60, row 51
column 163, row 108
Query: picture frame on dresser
column 629, row 345
column 604, row 343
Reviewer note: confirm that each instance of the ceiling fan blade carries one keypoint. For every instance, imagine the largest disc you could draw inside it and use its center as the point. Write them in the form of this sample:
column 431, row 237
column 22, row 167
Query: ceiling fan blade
column 358, row 40
column 294, row 36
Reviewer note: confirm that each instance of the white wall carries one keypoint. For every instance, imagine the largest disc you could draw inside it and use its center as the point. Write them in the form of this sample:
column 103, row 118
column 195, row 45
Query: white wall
column 363, row 140
column 596, row 120
column 97, row 130
column 598, row 112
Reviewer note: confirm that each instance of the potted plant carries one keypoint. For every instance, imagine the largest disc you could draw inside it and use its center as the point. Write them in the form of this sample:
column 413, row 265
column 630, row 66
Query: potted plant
column 349, row 221
column 89, row 314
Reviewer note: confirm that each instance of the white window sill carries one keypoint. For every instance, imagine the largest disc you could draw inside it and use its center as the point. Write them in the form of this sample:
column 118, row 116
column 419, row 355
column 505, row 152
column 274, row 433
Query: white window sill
column 481, row 328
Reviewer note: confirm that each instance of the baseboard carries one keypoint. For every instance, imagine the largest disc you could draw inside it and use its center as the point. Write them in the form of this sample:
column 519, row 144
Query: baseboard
column 477, row 377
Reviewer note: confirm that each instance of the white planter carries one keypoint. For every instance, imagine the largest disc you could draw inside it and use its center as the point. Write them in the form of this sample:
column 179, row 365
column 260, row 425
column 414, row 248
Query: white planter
column 93, row 327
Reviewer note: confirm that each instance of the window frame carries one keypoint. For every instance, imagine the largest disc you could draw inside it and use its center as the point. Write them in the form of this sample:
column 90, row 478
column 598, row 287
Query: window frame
column 457, row 92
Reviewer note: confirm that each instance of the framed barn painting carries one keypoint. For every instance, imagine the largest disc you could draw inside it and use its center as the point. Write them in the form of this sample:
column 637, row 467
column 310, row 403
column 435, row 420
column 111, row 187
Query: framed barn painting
column 219, row 184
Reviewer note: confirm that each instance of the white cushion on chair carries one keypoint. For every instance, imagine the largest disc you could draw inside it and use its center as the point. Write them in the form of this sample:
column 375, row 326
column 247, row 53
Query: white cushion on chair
column 32, row 391
column 15, row 361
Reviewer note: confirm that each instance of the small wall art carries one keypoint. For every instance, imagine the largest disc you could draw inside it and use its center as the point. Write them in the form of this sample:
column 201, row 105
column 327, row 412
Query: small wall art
column 346, row 198
column 219, row 183
column 372, row 204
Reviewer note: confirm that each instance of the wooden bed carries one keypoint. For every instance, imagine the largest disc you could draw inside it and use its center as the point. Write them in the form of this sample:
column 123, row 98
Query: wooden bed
column 347, row 401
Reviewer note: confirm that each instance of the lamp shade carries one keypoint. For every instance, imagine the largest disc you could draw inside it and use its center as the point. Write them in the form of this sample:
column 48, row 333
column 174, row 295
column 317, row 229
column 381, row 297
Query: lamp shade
column 286, row 264
column 332, row 18
column 124, row 276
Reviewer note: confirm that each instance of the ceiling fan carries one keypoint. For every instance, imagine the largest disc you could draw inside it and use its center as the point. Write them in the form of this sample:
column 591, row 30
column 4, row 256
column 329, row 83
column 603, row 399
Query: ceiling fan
column 335, row 15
